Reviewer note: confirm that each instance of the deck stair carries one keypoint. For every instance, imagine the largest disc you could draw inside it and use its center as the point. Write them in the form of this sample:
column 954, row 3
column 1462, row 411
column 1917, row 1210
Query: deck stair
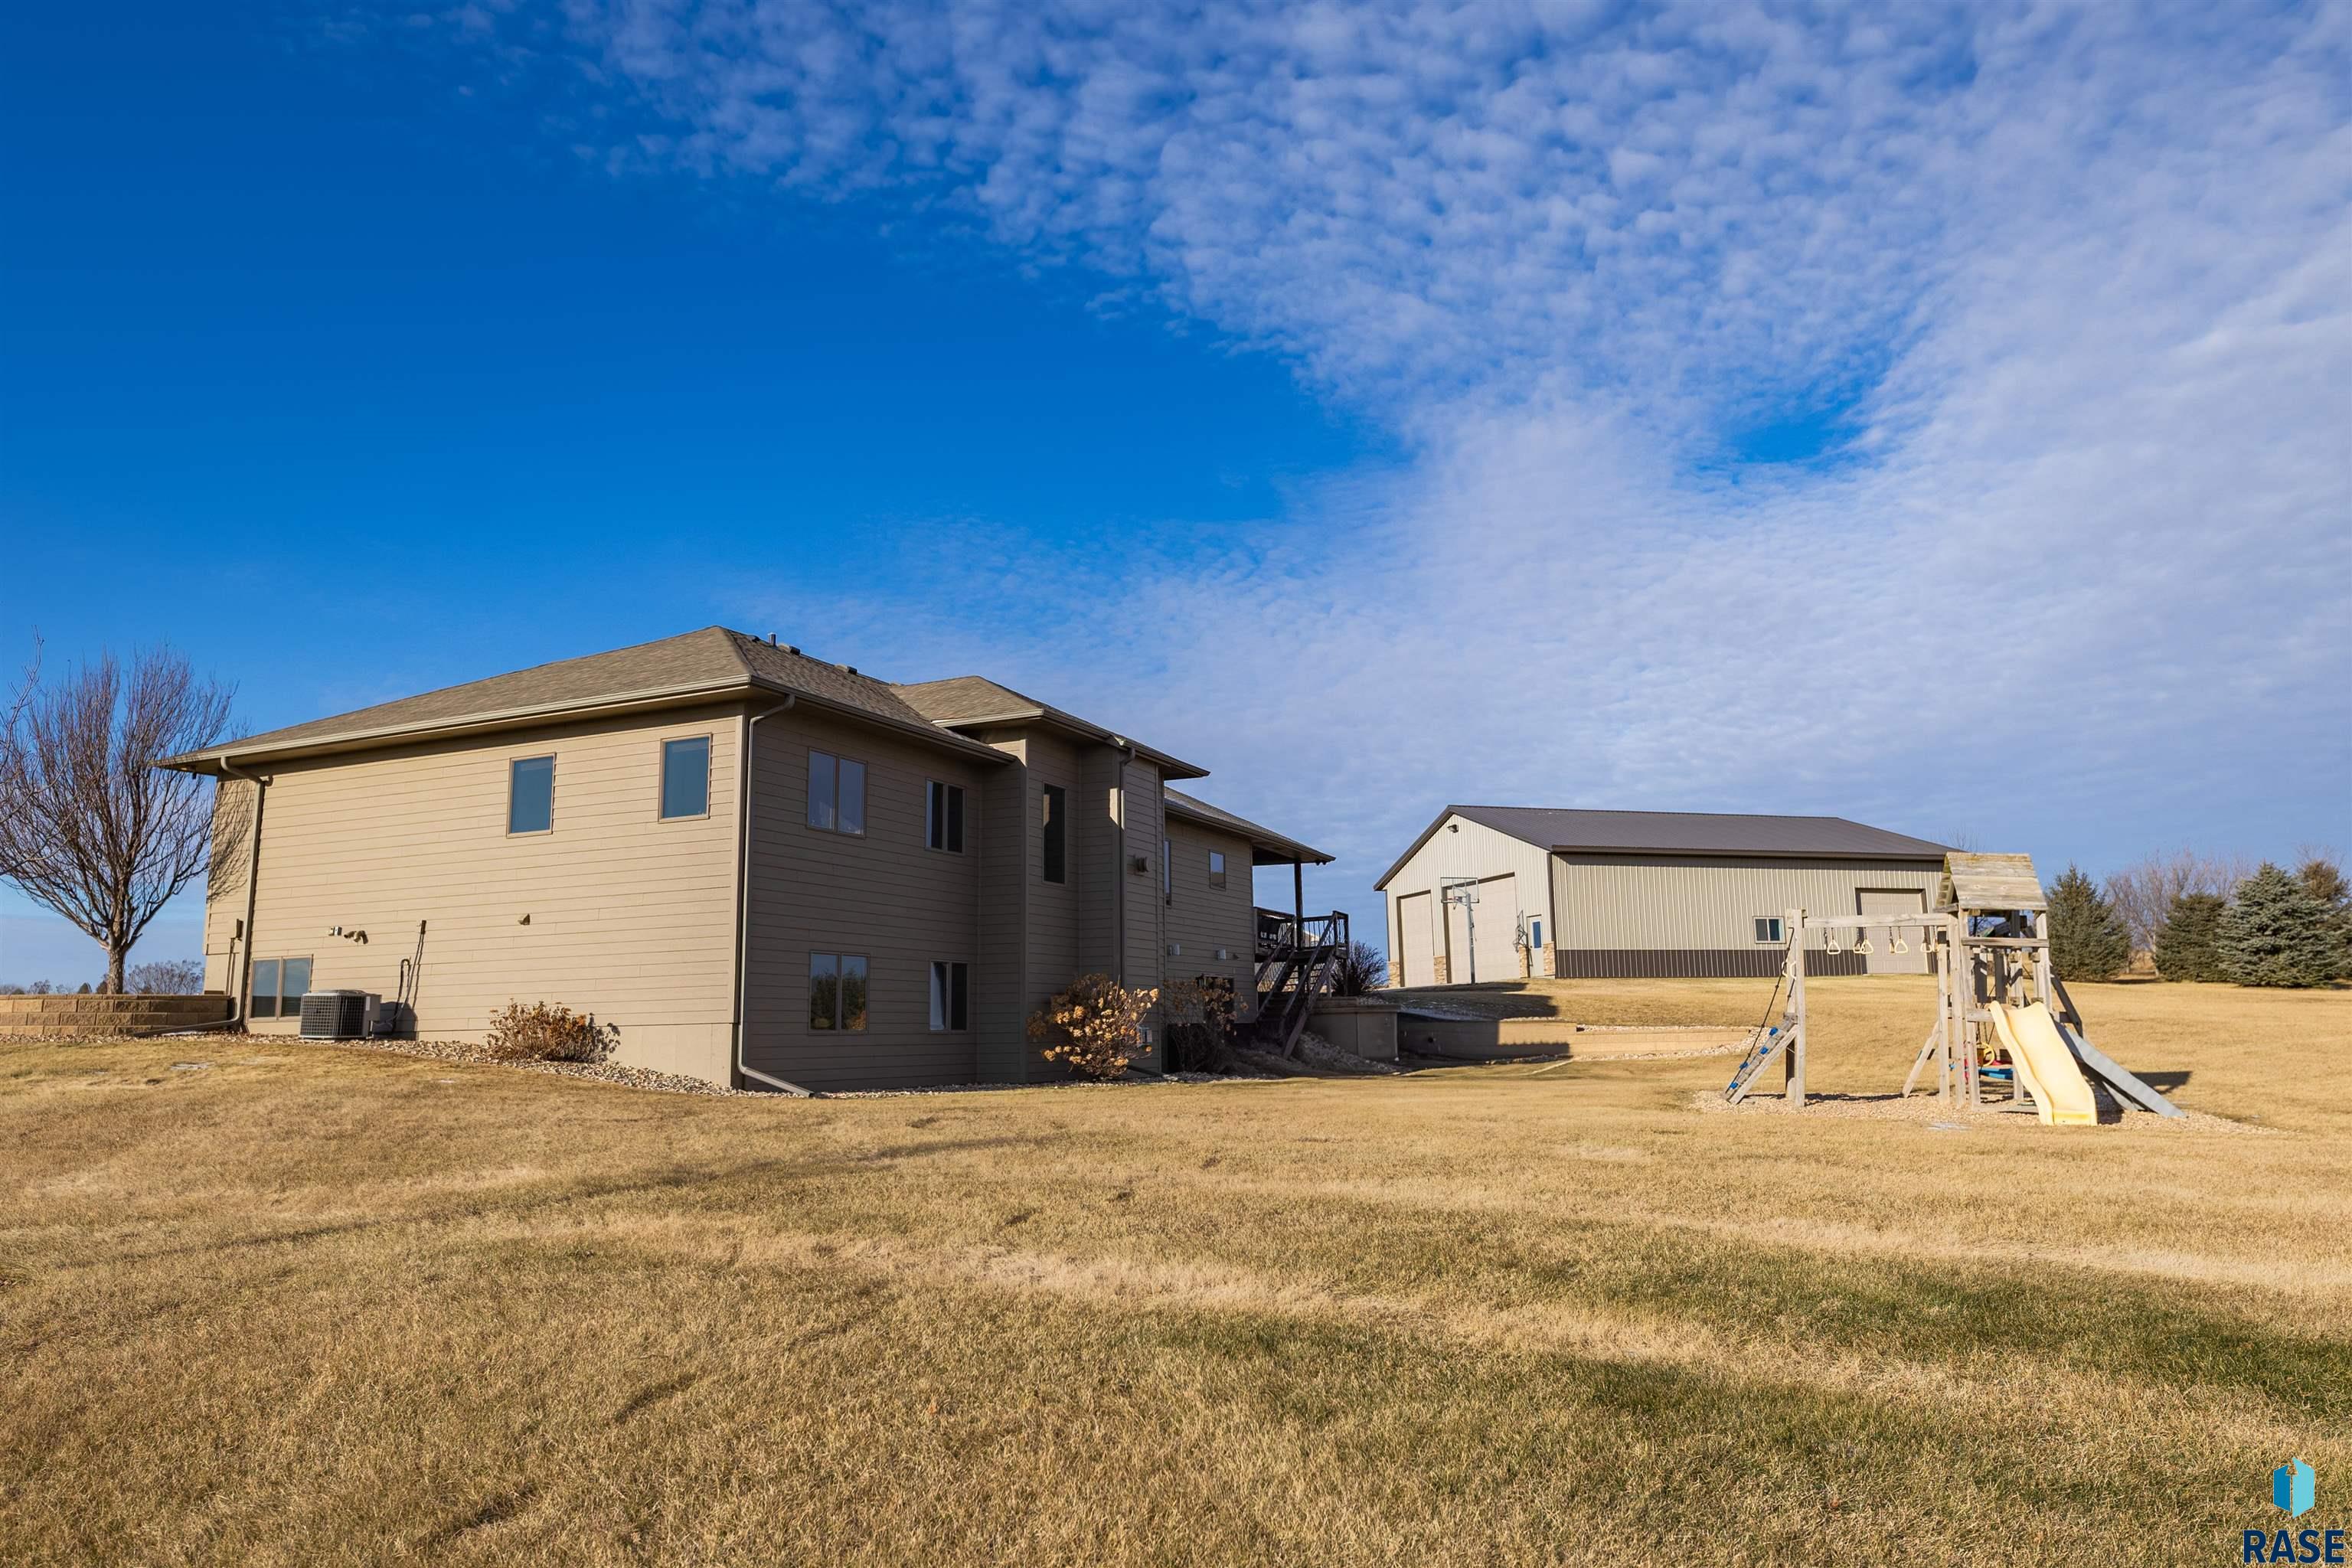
column 1297, row 957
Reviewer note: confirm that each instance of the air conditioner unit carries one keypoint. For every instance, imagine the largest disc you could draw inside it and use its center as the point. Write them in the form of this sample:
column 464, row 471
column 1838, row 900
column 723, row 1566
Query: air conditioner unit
column 336, row 1014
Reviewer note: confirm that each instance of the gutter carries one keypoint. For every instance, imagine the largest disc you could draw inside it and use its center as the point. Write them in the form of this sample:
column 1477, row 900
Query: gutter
column 252, row 891
column 1119, row 871
column 744, row 741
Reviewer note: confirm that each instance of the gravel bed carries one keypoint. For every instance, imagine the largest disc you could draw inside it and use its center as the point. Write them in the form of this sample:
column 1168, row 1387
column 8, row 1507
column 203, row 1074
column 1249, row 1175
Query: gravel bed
column 471, row 1056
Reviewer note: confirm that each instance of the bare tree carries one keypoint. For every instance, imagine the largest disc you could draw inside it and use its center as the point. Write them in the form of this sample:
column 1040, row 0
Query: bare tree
column 2143, row 893
column 89, row 826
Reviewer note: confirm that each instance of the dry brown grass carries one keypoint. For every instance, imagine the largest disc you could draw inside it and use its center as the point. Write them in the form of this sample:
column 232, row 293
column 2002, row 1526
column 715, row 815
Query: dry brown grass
column 315, row 1306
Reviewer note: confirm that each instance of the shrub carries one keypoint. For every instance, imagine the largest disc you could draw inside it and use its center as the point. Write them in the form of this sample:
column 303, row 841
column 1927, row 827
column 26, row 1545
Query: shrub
column 546, row 1032
column 1093, row 1026
column 2087, row 940
column 2277, row 934
column 1361, row 969
column 1200, row 1014
column 2187, row 945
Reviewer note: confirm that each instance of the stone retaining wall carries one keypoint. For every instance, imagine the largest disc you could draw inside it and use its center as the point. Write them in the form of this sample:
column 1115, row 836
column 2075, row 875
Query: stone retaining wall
column 107, row 1017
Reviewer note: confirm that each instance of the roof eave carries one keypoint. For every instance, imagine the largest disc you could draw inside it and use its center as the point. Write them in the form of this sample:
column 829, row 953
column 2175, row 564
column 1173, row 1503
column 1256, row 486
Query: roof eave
column 1170, row 767
column 1685, row 852
column 216, row 760
column 1281, row 851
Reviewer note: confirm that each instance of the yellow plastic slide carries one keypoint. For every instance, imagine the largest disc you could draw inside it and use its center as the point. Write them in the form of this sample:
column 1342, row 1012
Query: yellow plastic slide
column 2062, row 1095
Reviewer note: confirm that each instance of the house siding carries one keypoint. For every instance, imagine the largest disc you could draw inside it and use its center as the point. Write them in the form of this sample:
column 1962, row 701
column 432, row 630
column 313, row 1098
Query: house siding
column 883, row 894
column 629, row 917
column 1201, row 919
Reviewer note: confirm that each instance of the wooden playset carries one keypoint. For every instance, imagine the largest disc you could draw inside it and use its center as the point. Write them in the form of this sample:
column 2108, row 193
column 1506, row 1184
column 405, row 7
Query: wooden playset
column 2005, row 1029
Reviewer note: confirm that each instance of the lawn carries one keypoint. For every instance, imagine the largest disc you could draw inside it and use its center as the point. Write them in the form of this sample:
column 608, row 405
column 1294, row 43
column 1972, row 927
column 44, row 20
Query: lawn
column 312, row 1305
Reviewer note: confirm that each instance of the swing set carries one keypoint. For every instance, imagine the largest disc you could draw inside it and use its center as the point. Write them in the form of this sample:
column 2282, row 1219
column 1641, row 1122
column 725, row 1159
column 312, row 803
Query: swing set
column 2005, row 1029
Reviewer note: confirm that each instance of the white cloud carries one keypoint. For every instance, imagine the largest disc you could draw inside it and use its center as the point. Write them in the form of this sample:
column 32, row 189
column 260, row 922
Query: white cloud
column 2081, row 273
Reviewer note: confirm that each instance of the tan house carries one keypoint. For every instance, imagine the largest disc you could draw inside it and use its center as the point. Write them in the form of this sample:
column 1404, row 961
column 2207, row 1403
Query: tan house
column 1504, row 892
column 754, row 866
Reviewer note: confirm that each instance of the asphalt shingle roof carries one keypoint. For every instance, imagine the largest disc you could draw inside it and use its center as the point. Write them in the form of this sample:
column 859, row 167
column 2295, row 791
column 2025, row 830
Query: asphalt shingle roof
column 715, row 660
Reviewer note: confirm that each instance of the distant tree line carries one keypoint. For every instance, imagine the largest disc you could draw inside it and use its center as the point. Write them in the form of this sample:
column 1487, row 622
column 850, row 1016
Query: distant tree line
column 165, row 977
column 2207, row 918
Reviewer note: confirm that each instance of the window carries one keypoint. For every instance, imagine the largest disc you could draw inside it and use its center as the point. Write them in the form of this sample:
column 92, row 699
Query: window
column 277, row 988
column 1216, row 868
column 1167, row 876
column 1055, row 813
column 686, row 778
column 1769, row 929
column 1535, row 932
column 943, row 817
column 951, row 996
column 531, row 794
column 836, row 794
column 836, row 991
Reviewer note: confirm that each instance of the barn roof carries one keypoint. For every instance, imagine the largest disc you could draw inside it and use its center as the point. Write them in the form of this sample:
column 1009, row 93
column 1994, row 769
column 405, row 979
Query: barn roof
column 1693, row 833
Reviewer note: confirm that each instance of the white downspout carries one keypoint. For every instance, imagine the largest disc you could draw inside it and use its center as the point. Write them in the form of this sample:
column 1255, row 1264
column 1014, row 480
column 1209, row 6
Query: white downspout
column 252, row 877
column 744, row 901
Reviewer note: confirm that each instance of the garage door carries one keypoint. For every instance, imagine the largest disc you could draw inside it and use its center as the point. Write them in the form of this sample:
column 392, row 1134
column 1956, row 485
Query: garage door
column 1884, row 959
column 1420, row 939
column 1498, row 929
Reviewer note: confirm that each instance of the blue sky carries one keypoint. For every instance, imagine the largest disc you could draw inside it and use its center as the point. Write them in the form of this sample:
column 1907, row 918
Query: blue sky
column 1380, row 405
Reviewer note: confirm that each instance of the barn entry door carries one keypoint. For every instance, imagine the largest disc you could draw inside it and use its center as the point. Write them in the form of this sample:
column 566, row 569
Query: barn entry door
column 1883, row 958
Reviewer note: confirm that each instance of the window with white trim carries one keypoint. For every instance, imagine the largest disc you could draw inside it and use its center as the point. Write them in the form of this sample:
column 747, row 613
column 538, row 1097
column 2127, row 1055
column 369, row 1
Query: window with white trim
column 1767, row 929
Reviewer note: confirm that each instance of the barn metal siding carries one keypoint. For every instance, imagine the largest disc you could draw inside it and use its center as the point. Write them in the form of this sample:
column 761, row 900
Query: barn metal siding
column 1647, row 903
column 1691, row 964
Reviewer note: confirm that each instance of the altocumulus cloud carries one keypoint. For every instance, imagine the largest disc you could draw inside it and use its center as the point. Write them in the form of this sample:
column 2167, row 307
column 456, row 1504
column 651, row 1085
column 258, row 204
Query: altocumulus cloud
column 2056, row 294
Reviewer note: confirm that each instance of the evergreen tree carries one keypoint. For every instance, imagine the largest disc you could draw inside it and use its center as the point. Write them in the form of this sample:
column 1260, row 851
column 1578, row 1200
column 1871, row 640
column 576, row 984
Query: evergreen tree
column 2323, row 881
column 2087, row 939
column 2187, row 945
column 2277, row 934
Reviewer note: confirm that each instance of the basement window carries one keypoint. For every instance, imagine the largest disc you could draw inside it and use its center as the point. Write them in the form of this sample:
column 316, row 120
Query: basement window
column 950, row 995
column 277, row 988
column 837, row 990
column 531, row 794
column 686, row 778
column 1767, row 929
